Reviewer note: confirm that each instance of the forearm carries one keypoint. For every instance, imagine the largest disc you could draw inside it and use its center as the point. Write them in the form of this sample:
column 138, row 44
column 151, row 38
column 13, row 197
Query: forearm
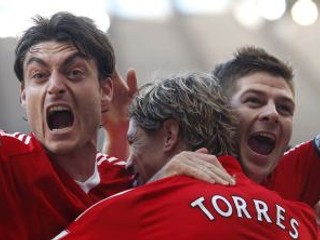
column 115, row 142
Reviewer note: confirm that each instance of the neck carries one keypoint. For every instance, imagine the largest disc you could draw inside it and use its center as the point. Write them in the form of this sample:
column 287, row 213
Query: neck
column 78, row 164
column 255, row 177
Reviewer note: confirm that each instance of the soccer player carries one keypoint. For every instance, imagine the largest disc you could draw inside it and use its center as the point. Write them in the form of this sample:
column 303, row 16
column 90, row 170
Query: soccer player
column 261, row 91
column 178, row 113
column 65, row 66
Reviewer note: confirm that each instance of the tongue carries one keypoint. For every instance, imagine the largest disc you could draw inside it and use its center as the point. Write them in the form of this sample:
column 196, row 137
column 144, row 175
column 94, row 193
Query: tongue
column 261, row 145
column 61, row 119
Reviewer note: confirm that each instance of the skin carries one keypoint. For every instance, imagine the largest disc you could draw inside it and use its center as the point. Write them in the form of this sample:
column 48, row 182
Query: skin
column 115, row 120
column 265, row 106
column 149, row 151
column 57, row 75
column 163, row 153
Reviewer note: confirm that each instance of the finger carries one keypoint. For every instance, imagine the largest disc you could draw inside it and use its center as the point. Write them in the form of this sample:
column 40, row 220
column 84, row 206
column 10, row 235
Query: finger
column 132, row 82
column 211, row 166
column 212, row 159
column 205, row 170
column 202, row 150
column 200, row 176
column 209, row 157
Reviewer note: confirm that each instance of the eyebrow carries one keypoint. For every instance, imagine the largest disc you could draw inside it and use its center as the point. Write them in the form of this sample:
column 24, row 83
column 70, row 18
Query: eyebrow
column 67, row 61
column 254, row 91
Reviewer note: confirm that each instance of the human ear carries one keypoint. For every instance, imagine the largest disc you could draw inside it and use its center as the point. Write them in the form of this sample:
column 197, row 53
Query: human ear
column 171, row 134
column 106, row 93
column 22, row 96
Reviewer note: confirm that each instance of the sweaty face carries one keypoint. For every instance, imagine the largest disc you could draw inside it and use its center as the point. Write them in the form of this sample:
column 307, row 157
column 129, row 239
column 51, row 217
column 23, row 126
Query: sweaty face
column 146, row 153
column 62, row 96
column 265, row 107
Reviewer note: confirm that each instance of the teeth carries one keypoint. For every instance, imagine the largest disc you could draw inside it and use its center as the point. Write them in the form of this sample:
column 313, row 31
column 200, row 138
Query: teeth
column 262, row 134
column 58, row 108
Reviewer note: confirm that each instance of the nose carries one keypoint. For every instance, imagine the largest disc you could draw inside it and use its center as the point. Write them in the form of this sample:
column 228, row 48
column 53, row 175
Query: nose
column 270, row 113
column 56, row 84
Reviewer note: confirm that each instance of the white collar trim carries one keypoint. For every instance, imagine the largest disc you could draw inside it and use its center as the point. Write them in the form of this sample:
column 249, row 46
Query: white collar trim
column 91, row 182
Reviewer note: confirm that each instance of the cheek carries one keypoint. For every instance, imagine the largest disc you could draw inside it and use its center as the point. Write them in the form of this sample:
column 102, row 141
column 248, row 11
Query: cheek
column 89, row 105
column 33, row 102
column 135, row 157
column 243, row 115
column 242, row 123
column 287, row 126
column 247, row 119
column 144, row 161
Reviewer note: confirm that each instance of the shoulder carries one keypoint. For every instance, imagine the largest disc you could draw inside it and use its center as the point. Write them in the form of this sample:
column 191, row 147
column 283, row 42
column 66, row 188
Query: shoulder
column 113, row 173
column 307, row 153
column 301, row 149
column 305, row 148
column 108, row 164
column 106, row 159
column 16, row 143
column 17, row 136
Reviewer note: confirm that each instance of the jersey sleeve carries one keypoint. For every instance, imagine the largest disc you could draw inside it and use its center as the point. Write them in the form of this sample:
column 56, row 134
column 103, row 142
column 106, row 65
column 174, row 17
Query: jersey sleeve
column 297, row 175
column 10, row 200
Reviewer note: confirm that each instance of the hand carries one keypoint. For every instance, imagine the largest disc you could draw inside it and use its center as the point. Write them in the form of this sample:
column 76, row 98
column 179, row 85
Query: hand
column 123, row 93
column 115, row 121
column 198, row 164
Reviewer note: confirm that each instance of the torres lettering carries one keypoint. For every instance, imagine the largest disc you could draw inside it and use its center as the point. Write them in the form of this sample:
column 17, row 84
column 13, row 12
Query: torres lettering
column 237, row 206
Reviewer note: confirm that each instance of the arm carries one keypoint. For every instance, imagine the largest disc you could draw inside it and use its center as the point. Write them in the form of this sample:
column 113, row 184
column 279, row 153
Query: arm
column 115, row 121
column 198, row 164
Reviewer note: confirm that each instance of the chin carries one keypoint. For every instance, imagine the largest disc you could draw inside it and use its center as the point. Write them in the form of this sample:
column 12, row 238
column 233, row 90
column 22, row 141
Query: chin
column 257, row 173
column 60, row 148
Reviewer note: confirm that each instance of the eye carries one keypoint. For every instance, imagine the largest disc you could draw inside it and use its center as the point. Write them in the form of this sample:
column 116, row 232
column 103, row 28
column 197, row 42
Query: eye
column 253, row 101
column 130, row 139
column 39, row 76
column 285, row 109
column 130, row 142
column 76, row 74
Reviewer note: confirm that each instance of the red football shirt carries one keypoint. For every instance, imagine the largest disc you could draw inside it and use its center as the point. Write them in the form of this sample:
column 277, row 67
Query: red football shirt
column 297, row 176
column 37, row 198
column 181, row 208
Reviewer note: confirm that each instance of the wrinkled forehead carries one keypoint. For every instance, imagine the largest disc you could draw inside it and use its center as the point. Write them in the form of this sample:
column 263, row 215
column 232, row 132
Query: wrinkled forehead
column 52, row 47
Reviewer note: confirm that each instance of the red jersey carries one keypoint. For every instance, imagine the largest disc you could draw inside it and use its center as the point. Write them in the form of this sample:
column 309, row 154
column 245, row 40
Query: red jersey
column 182, row 208
column 297, row 176
column 38, row 198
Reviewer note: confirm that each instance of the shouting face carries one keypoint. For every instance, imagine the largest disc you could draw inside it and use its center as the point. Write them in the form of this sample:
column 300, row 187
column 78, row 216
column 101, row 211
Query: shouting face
column 62, row 96
column 265, row 106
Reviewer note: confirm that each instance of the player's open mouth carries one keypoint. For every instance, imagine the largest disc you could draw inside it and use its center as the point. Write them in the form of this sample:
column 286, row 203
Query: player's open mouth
column 262, row 143
column 59, row 117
